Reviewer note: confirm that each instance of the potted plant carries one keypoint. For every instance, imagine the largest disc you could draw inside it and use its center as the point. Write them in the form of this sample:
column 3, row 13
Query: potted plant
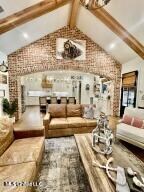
column 9, row 108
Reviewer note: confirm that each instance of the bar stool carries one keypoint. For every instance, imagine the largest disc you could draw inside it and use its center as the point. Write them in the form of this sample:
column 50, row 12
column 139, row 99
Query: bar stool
column 63, row 100
column 71, row 100
column 43, row 103
column 53, row 100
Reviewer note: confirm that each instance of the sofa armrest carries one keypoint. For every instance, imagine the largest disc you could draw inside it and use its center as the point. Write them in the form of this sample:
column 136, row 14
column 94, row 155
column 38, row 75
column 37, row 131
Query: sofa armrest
column 46, row 122
column 26, row 132
column 46, row 119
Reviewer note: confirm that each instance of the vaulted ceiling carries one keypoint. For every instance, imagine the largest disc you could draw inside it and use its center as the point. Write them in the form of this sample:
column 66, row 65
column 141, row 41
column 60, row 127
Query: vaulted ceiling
column 129, row 14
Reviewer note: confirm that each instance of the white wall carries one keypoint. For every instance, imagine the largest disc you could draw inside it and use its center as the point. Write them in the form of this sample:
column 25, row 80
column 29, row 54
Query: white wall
column 133, row 65
column 5, row 87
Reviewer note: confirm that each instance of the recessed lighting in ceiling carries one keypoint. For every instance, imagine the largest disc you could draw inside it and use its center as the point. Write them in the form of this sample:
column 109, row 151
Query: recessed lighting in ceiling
column 25, row 35
column 112, row 45
column 1, row 9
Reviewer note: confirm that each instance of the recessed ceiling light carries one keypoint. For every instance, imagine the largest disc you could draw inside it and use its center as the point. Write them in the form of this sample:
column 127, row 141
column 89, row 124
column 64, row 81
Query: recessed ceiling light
column 25, row 35
column 112, row 45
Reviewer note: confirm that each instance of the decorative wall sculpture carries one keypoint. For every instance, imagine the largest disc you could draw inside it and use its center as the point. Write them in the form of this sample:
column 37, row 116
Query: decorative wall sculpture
column 70, row 49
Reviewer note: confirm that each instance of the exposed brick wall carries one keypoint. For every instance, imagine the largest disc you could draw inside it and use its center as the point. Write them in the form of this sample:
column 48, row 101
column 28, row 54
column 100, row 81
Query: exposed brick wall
column 41, row 56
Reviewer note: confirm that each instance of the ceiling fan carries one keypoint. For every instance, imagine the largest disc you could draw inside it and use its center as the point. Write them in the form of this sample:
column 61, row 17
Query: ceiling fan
column 3, row 67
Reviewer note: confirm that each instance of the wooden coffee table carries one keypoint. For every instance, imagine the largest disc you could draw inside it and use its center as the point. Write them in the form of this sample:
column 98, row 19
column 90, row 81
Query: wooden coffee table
column 97, row 177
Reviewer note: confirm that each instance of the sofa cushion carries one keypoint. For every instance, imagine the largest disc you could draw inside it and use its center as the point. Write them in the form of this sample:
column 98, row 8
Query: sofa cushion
column 87, row 105
column 136, row 122
column 76, row 122
column 74, row 110
column 127, row 119
column 23, row 150
column 57, row 110
column 88, row 112
column 91, row 122
column 131, row 132
column 58, row 123
column 24, row 172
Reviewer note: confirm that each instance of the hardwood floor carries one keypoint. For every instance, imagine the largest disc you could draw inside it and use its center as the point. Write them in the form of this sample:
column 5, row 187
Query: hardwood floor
column 33, row 118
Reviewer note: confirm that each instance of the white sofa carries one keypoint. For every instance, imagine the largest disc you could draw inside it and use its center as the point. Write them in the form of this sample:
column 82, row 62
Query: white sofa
column 129, row 133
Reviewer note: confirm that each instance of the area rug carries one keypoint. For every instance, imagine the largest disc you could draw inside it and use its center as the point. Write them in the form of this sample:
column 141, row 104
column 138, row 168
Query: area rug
column 62, row 170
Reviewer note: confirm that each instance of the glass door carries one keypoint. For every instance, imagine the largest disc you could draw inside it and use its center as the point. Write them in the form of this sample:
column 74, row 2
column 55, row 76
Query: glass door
column 125, row 97
column 131, row 97
column 128, row 98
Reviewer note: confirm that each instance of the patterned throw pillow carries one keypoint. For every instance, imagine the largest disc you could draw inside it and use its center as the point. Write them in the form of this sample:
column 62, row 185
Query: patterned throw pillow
column 136, row 122
column 97, row 112
column 127, row 119
column 88, row 112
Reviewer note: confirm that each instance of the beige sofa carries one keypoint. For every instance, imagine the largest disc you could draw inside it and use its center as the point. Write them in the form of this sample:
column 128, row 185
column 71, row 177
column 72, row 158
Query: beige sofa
column 66, row 120
column 19, row 160
column 129, row 133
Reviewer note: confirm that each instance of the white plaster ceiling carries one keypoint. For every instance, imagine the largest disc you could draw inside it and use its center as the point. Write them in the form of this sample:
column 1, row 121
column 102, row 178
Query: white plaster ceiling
column 129, row 13
column 99, row 33
column 34, row 30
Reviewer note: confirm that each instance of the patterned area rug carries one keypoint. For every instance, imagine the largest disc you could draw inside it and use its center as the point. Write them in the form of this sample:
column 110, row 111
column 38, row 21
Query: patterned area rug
column 62, row 170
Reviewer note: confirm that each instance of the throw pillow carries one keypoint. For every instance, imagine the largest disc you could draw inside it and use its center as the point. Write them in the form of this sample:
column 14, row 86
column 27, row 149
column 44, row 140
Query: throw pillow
column 136, row 122
column 127, row 119
column 88, row 112
column 4, row 123
column 96, row 112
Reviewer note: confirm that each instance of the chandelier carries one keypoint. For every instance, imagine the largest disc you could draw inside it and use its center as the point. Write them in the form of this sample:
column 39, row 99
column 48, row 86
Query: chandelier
column 94, row 4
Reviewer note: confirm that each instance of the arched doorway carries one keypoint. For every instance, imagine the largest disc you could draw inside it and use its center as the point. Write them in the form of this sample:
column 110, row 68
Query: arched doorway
column 74, row 77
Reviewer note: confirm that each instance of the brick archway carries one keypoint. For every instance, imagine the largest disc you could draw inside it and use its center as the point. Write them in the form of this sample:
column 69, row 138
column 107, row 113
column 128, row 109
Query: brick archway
column 40, row 56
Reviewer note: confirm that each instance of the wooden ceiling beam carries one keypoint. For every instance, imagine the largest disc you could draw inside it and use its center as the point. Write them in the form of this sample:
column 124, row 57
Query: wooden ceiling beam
column 29, row 14
column 119, row 30
column 74, row 13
